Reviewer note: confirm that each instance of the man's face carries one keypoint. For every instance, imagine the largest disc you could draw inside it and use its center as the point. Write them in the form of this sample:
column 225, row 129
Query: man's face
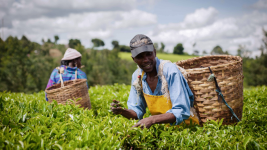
column 146, row 61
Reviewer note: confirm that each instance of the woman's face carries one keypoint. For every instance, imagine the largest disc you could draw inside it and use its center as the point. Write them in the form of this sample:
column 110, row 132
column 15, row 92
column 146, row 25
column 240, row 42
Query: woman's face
column 78, row 62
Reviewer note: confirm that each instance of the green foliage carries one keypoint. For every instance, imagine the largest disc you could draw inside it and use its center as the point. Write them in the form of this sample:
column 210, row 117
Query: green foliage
column 74, row 42
column 161, row 49
column 105, row 67
column 218, row 50
column 97, row 42
column 124, row 48
column 115, row 44
column 56, row 38
column 255, row 70
column 196, row 52
column 27, row 121
column 178, row 49
column 24, row 65
column 120, row 48
column 49, row 41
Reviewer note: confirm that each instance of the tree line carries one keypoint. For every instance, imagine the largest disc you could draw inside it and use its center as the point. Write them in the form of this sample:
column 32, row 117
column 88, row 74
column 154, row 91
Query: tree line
column 25, row 66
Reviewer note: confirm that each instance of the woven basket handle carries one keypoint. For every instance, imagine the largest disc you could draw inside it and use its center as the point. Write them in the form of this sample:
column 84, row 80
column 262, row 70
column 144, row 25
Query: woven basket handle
column 76, row 74
column 61, row 71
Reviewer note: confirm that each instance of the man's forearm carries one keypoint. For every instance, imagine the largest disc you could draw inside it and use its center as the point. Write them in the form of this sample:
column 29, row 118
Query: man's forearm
column 163, row 118
column 130, row 114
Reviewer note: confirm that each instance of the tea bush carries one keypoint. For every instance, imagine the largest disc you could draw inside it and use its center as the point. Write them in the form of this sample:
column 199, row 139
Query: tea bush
column 29, row 122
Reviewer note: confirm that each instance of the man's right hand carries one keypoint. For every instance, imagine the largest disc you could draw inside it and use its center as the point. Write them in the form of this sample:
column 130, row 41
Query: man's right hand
column 116, row 107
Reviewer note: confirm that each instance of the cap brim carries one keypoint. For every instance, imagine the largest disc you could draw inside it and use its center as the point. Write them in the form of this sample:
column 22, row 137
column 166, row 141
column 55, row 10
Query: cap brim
column 145, row 48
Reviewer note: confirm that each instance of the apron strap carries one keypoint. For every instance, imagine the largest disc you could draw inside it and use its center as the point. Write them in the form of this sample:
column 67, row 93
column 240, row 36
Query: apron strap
column 143, row 73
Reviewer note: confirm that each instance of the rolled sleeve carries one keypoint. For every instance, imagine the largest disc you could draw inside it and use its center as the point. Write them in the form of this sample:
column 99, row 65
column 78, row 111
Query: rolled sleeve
column 179, row 95
column 136, row 101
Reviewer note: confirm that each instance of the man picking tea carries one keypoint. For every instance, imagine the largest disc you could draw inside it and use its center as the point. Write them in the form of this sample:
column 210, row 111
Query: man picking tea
column 158, row 85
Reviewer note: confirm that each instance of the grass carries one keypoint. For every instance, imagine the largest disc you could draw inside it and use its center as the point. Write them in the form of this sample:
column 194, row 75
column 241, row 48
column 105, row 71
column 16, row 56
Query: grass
column 171, row 57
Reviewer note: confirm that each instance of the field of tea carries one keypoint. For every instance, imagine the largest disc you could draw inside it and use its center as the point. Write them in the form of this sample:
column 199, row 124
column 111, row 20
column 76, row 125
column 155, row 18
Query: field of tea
column 27, row 121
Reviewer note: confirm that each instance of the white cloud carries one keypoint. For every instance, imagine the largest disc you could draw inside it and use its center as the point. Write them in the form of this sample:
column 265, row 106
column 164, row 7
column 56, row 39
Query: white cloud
column 28, row 9
column 201, row 17
column 84, row 26
column 135, row 18
column 260, row 4
column 207, row 33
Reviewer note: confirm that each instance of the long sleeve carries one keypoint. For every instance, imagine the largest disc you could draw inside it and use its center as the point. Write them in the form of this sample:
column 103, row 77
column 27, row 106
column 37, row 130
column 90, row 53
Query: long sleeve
column 50, row 83
column 180, row 94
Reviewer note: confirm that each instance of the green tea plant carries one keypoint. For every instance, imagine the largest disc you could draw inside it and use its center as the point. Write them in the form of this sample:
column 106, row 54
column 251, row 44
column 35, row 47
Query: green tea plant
column 29, row 122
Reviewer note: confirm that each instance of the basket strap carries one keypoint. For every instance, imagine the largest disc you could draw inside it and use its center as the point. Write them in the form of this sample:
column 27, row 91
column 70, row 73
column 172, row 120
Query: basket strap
column 220, row 94
column 76, row 74
column 61, row 71
column 62, row 84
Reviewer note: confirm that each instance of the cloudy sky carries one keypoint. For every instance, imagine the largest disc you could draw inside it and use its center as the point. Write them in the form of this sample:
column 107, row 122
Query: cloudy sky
column 207, row 23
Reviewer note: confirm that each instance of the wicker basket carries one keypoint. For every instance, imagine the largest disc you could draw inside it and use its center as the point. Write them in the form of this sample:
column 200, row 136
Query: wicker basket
column 73, row 89
column 228, row 72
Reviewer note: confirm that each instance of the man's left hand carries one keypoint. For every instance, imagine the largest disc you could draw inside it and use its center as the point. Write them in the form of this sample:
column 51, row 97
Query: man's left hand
column 145, row 123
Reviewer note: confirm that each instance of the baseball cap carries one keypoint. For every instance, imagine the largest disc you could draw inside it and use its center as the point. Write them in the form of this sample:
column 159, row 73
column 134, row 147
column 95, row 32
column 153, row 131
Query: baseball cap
column 141, row 43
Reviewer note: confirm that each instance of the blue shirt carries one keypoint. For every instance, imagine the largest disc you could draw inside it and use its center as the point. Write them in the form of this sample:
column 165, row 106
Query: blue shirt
column 180, row 94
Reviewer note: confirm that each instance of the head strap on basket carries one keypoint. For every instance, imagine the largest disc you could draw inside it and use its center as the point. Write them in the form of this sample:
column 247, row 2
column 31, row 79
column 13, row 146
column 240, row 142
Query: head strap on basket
column 218, row 90
column 61, row 71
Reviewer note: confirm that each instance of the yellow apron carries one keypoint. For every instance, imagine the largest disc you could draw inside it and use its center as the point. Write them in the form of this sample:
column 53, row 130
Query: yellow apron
column 160, row 105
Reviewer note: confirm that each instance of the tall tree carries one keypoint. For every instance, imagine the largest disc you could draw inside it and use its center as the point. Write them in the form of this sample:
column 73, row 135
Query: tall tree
column 124, row 48
column 49, row 41
column 204, row 52
column 74, row 42
column 196, row 52
column 115, row 44
column 242, row 52
column 22, row 69
column 156, row 46
column 159, row 49
column 255, row 70
column 178, row 49
column 56, row 38
column 98, row 42
column 162, row 47
column 217, row 50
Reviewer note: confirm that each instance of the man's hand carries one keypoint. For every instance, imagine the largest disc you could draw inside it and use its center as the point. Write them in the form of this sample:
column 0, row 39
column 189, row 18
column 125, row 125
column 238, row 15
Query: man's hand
column 145, row 123
column 162, row 118
column 116, row 107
